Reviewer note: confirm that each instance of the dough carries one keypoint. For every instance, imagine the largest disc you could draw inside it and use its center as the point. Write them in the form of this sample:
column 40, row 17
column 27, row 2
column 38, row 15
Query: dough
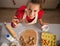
column 28, row 38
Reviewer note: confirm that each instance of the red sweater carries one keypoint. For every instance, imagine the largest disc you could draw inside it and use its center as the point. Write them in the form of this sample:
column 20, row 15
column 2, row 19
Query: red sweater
column 20, row 13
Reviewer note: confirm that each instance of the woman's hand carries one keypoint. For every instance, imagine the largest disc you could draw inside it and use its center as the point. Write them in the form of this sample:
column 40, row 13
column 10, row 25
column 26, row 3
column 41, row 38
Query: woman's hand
column 44, row 26
column 15, row 22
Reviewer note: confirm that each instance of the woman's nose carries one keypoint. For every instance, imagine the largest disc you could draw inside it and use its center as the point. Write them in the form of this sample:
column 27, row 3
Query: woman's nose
column 31, row 13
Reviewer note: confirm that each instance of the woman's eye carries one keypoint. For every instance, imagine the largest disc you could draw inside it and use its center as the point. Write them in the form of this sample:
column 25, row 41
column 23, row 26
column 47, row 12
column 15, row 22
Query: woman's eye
column 29, row 9
column 35, row 10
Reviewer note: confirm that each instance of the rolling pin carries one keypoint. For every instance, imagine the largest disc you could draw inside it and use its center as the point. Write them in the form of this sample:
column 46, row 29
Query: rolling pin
column 11, row 31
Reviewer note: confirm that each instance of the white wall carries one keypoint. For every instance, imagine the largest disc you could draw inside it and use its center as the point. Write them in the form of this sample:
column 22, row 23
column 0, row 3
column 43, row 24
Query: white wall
column 8, row 3
column 50, row 4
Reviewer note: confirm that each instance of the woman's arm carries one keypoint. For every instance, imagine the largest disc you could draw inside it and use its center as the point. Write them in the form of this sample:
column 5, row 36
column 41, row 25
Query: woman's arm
column 41, row 22
column 15, row 21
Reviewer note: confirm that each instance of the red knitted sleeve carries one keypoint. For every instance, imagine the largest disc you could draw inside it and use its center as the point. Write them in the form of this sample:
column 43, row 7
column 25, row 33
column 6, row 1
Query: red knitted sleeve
column 20, row 12
column 40, row 14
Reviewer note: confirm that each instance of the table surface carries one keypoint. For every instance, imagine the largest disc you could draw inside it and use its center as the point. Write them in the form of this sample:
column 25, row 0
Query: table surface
column 53, row 28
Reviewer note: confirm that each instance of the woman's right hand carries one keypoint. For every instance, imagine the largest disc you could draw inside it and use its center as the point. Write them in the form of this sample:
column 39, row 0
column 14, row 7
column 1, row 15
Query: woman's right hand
column 14, row 22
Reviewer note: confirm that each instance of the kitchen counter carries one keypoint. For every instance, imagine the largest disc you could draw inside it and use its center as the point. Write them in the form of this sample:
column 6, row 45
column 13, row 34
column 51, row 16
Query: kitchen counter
column 53, row 28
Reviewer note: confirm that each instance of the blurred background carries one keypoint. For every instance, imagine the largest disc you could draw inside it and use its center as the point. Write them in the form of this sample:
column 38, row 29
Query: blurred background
column 51, row 8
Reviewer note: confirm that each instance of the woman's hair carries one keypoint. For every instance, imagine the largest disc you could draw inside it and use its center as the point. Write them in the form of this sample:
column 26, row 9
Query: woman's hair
column 40, row 2
column 36, row 1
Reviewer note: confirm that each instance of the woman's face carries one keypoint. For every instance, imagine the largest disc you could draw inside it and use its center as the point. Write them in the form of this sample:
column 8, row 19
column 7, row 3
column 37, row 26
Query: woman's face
column 32, row 9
